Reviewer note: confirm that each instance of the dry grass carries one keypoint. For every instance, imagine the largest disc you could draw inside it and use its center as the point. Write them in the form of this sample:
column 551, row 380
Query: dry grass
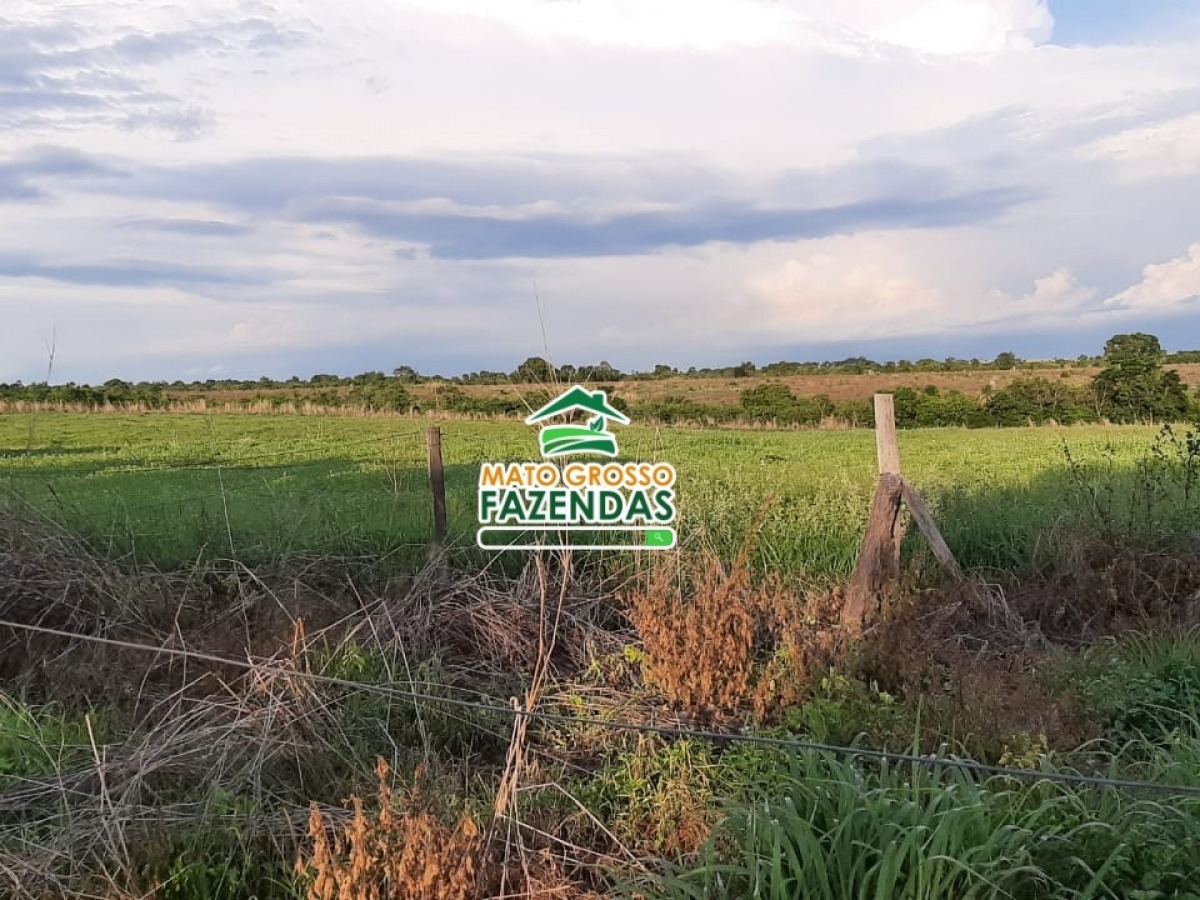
column 397, row 854
column 717, row 641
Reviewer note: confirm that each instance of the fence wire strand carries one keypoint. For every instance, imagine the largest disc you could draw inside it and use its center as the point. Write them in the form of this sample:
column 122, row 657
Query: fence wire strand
column 492, row 705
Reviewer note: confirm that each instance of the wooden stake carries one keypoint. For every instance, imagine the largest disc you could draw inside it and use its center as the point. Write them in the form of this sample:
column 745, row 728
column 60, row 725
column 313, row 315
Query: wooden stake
column 886, row 449
column 924, row 519
column 437, row 484
column 887, row 453
column 878, row 572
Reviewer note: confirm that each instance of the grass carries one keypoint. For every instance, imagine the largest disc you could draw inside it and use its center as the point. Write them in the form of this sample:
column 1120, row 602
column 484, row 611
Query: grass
column 196, row 780
column 290, row 485
column 824, row 827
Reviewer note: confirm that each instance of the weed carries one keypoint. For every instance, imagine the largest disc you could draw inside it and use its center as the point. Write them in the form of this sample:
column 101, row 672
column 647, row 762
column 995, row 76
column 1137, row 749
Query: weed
column 715, row 640
column 404, row 853
column 1144, row 686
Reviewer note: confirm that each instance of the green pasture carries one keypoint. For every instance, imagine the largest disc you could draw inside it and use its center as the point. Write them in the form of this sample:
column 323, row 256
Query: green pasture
column 171, row 488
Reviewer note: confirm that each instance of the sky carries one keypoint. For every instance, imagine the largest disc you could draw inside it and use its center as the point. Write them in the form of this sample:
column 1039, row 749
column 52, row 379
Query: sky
column 240, row 188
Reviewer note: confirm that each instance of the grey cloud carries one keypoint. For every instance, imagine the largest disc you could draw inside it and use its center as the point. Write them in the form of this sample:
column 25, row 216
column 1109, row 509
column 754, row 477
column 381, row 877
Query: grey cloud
column 568, row 206
column 997, row 140
column 191, row 227
column 277, row 185
column 129, row 273
column 19, row 177
column 49, row 71
column 258, row 35
column 488, row 237
column 186, row 124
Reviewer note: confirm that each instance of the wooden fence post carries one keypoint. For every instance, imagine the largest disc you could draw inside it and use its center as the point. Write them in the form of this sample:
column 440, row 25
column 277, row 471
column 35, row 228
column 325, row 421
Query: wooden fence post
column 437, row 484
column 887, row 450
column 877, row 573
column 887, row 453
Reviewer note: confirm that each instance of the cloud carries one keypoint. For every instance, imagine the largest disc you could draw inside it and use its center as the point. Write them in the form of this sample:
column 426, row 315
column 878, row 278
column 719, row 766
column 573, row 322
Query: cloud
column 1165, row 149
column 21, row 178
column 873, row 287
column 568, row 206
column 231, row 183
column 1165, row 286
column 467, row 235
column 55, row 74
column 131, row 273
column 925, row 26
column 190, row 227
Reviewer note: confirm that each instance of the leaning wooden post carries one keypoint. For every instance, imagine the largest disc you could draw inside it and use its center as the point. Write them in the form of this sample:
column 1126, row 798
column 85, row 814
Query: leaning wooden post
column 437, row 485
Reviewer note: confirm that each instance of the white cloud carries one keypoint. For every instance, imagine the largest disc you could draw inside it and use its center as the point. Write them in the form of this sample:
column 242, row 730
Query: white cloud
column 940, row 27
column 1168, row 149
column 1164, row 286
column 846, row 288
column 781, row 106
column 887, row 285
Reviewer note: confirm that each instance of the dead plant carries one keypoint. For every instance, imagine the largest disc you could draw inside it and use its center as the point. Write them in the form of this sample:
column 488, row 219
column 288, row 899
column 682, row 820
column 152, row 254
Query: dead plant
column 401, row 852
column 717, row 641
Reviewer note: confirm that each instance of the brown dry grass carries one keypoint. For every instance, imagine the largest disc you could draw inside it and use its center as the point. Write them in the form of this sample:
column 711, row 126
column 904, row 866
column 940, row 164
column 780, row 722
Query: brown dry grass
column 718, row 642
column 396, row 854
column 970, row 652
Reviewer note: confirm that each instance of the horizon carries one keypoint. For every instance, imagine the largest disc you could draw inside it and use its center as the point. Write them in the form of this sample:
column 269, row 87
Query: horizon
column 203, row 189
column 701, row 370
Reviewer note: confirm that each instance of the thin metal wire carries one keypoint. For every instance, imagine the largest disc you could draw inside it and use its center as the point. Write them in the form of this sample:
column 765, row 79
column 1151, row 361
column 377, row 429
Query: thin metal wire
column 930, row 761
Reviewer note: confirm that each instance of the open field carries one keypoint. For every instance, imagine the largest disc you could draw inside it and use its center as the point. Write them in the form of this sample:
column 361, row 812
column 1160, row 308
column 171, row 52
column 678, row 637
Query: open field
column 170, row 488
column 248, row 634
column 837, row 387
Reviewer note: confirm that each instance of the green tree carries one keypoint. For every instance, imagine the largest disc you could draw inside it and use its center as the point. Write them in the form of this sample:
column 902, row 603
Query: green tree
column 534, row 370
column 1132, row 386
column 1005, row 360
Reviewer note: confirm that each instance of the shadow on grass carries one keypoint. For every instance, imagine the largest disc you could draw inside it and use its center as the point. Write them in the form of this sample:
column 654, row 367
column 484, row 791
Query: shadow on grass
column 1149, row 504
column 333, row 507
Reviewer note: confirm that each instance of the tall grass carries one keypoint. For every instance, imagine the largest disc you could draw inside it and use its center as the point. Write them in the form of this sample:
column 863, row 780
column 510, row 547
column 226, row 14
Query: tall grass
column 832, row 829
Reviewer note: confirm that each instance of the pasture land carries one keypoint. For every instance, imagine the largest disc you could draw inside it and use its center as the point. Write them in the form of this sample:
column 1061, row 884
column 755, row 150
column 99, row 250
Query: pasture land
column 837, row 387
column 171, row 488
column 167, row 730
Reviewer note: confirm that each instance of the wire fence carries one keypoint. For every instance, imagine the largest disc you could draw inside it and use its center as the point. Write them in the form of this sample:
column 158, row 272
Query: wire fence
column 493, row 705
column 239, row 464
column 481, row 702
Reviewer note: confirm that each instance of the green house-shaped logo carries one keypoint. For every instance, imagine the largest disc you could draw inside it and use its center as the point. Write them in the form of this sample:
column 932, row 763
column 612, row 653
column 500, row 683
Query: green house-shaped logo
column 591, row 437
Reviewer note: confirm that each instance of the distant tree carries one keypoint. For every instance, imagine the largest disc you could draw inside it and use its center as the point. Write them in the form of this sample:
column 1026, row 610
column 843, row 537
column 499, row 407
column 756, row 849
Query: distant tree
column 406, row 374
column 1131, row 386
column 1006, row 360
column 744, row 370
column 606, row 371
column 534, row 370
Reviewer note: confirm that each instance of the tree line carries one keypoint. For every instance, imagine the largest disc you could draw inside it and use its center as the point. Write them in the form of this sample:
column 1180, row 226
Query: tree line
column 1133, row 385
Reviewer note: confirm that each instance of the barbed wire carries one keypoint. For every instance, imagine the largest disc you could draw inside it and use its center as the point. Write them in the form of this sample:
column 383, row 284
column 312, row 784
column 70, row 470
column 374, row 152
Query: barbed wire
column 494, row 706
column 240, row 461
column 238, row 465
